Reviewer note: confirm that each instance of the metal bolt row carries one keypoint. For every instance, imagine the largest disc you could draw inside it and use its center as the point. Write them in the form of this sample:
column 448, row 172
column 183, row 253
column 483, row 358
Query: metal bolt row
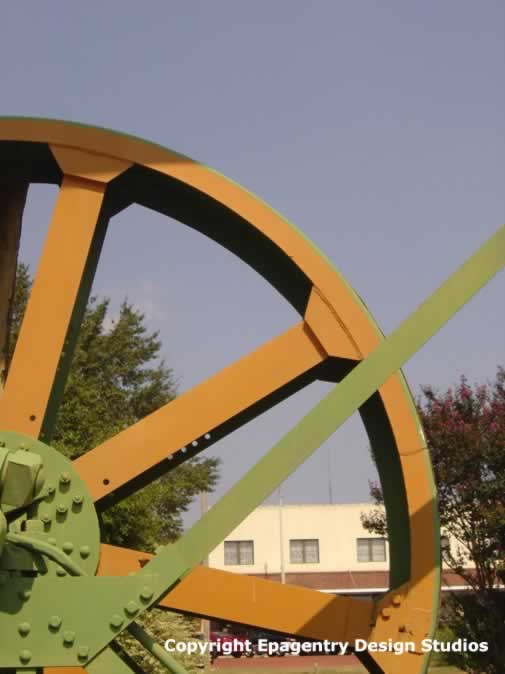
column 387, row 611
column 131, row 608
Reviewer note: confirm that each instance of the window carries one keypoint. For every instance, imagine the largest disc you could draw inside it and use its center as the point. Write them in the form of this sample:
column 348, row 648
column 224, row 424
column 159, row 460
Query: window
column 304, row 551
column 238, row 552
column 371, row 549
column 445, row 548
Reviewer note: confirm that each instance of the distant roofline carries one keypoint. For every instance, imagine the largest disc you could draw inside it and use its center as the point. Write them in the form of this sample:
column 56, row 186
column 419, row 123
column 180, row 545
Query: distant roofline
column 319, row 505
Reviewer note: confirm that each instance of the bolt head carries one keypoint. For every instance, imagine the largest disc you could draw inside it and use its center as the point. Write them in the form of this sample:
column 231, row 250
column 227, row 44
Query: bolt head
column 83, row 652
column 24, row 629
column 116, row 621
column 62, row 509
column 25, row 656
column 131, row 608
column 85, row 551
column 68, row 547
column 68, row 637
column 22, row 477
column 397, row 600
column 77, row 500
column 55, row 622
column 65, row 478
column 146, row 593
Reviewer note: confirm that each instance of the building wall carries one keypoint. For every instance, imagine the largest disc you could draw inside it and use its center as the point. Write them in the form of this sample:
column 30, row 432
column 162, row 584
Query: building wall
column 337, row 527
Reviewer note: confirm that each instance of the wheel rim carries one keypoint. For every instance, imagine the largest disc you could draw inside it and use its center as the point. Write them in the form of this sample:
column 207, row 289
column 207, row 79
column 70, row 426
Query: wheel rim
column 104, row 172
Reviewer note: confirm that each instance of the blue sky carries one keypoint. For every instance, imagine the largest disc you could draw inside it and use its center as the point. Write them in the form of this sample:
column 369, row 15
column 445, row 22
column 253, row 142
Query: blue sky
column 377, row 128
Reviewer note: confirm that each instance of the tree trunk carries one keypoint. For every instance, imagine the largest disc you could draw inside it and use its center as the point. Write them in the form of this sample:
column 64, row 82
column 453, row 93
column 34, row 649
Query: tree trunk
column 12, row 203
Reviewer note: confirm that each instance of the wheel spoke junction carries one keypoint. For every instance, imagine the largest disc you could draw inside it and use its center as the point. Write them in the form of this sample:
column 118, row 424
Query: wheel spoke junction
column 51, row 531
column 206, row 413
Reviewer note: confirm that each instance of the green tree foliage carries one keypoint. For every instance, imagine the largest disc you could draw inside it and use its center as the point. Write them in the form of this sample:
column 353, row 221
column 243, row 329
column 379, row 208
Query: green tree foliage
column 163, row 625
column 116, row 379
column 465, row 432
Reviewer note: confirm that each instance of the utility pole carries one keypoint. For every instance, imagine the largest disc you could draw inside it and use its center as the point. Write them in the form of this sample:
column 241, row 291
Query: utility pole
column 205, row 626
column 330, row 486
column 281, row 540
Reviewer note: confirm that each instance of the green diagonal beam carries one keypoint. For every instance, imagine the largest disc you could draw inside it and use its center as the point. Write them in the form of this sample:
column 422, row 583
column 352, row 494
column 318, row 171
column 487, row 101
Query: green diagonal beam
column 175, row 561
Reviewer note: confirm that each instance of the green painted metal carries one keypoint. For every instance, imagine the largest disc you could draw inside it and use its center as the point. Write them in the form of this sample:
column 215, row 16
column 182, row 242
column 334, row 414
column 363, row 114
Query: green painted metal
column 111, row 661
column 197, row 210
column 102, row 607
column 317, row 426
column 31, row 546
column 21, row 477
column 155, row 649
column 3, row 532
column 62, row 515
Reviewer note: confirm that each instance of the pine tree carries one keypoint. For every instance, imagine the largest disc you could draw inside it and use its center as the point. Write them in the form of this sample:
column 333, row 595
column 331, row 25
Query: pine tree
column 116, row 379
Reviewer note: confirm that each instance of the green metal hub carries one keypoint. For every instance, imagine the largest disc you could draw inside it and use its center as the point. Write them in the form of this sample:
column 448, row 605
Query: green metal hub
column 48, row 530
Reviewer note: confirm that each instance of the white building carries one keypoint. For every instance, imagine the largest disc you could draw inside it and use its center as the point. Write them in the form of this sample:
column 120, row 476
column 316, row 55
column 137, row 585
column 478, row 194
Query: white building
column 324, row 547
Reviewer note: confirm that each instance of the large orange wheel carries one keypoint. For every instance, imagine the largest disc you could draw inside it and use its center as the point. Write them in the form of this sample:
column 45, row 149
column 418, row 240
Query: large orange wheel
column 100, row 173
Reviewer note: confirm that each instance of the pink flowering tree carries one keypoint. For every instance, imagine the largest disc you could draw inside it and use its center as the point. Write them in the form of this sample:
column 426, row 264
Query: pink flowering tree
column 465, row 432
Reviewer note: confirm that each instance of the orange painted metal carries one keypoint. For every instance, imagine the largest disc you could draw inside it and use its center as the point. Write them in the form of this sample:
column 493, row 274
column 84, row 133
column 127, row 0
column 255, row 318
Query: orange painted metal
column 54, row 293
column 200, row 410
column 333, row 308
column 242, row 599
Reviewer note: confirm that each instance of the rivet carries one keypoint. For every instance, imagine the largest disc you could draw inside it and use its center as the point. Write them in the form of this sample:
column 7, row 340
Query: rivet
column 386, row 612
column 146, row 593
column 22, row 446
column 60, row 572
column 116, row 621
column 68, row 547
column 24, row 629
column 83, row 652
column 68, row 637
column 84, row 551
column 55, row 622
column 65, row 478
column 51, row 541
column 62, row 509
column 25, row 656
column 25, row 594
column 397, row 600
column 131, row 608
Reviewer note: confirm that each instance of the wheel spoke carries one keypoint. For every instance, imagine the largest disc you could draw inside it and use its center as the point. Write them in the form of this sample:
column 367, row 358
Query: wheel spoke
column 175, row 561
column 220, row 595
column 59, row 294
column 213, row 407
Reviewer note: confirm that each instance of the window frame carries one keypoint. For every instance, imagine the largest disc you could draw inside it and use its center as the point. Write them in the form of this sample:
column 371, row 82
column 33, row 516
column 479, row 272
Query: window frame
column 238, row 556
column 370, row 550
column 304, row 541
